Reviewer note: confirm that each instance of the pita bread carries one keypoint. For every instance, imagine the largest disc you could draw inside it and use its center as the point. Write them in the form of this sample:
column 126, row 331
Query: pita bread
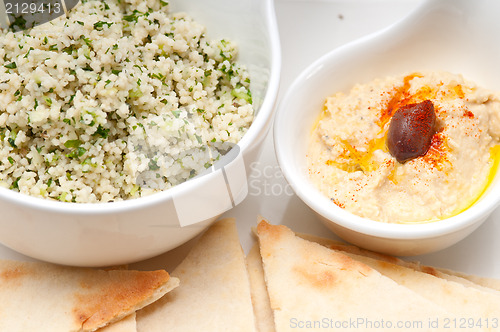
column 127, row 324
column 456, row 298
column 480, row 283
column 46, row 297
column 307, row 283
column 260, row 298
column 215, row 291
column 458, row 295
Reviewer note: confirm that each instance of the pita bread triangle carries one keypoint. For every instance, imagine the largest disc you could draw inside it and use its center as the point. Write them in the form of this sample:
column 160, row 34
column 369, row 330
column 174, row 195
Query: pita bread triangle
column 260, row 298
column 126, row 324
column 215, row 291
column 454, row 297
column 491, row 283
column 46, row 297
column 483, row 284
column 459, row 296
column 312, row 285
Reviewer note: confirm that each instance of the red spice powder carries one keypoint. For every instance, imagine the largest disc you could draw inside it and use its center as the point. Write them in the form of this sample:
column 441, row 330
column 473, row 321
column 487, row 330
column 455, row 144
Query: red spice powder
column 436, row 156
column 469, row 114
column 336, row 202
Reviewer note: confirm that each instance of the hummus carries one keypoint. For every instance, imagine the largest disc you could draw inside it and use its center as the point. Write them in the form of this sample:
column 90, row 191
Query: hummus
column 349, row 162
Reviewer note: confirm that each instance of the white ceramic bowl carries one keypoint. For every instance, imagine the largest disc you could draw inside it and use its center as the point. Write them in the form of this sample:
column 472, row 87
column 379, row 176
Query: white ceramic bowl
column 124, row 232
column 450, row 35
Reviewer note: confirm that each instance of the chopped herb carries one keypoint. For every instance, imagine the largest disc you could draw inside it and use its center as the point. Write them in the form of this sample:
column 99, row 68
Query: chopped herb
column 153, row 165
column 246, row 95
column 133, row 17
column 78, row 152
column 19, row 21
column 72, row 143
column 138, row 67
column 11, row 160
column 27, row 53
column 88, row 161
column 15, row 184
column 11, row 65
column 62, row 197
column 153, row 75
column 135, row 93
column 12, row 142
column 87, row 41
column 68, row 50
column 101, row 131
column 99, row 25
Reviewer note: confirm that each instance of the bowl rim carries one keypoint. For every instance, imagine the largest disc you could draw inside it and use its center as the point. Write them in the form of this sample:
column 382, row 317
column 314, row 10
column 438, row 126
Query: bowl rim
column 264, row 115
column 320, row 204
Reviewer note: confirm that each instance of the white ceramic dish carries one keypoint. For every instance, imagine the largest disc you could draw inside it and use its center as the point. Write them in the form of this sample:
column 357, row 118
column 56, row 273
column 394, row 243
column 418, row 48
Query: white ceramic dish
column 451, row 35
column 124, row 232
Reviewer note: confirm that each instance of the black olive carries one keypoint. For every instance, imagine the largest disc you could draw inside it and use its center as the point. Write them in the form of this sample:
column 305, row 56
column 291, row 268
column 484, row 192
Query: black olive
column 411, row 130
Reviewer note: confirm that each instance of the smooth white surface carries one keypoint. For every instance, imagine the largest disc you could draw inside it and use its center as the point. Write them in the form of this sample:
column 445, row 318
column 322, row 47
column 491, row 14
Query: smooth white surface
column 309, row 29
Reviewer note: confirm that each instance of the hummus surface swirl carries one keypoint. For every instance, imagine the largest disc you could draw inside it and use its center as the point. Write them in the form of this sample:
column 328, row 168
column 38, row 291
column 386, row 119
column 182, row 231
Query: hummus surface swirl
column 349, row 162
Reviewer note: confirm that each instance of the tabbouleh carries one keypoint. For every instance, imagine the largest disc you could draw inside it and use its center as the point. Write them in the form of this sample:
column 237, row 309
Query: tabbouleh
column 121, row 90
